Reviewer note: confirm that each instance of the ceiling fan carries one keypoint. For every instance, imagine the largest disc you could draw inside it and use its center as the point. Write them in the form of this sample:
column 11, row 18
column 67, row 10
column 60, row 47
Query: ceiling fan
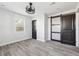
column 30, row 9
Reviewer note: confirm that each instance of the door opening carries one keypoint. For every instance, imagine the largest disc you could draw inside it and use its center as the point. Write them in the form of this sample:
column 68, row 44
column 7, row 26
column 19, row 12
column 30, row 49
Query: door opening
column 34, row 35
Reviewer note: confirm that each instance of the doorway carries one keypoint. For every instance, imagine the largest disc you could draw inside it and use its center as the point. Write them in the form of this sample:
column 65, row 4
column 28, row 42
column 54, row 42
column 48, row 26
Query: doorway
column 34, row 35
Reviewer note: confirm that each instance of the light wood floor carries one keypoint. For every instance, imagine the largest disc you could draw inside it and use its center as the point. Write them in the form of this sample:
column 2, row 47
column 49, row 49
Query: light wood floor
column 33, row 47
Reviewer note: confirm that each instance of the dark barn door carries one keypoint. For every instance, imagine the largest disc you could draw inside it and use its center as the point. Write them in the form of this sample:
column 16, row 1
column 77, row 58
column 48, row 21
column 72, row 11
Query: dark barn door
column 34, row 29
column 68, row 29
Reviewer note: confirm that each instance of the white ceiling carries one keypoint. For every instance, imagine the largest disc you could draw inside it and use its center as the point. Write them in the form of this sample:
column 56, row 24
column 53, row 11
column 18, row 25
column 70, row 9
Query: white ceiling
column 41, row 7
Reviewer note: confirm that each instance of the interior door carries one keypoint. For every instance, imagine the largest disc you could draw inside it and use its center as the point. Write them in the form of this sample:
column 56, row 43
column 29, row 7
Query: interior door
column 68, row 29
column 34, row 29
column 56, row 28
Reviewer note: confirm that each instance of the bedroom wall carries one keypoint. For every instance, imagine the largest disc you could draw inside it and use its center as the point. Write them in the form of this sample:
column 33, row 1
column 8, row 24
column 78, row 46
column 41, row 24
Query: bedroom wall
column 8, row 32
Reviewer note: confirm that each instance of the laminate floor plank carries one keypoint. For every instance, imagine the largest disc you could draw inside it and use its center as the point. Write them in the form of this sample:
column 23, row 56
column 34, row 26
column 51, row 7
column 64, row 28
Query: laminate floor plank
column 33, row 47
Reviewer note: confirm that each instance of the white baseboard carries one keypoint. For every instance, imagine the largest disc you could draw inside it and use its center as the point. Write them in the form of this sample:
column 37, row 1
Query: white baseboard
column 13, row 42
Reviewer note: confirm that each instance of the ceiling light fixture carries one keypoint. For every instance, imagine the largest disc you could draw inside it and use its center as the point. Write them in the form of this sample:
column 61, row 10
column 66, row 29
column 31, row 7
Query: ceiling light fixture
column 30, row 9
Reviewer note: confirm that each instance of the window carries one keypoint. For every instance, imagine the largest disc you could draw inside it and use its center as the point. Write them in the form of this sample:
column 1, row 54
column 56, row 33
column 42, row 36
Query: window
column 19, row 25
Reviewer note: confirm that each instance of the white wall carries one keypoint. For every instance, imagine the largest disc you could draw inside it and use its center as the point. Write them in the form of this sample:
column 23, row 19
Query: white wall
column 8, row 32
column 46, row 27
column 49, row 28
column 77, row 29
column 42, row 26
column 77, row 25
